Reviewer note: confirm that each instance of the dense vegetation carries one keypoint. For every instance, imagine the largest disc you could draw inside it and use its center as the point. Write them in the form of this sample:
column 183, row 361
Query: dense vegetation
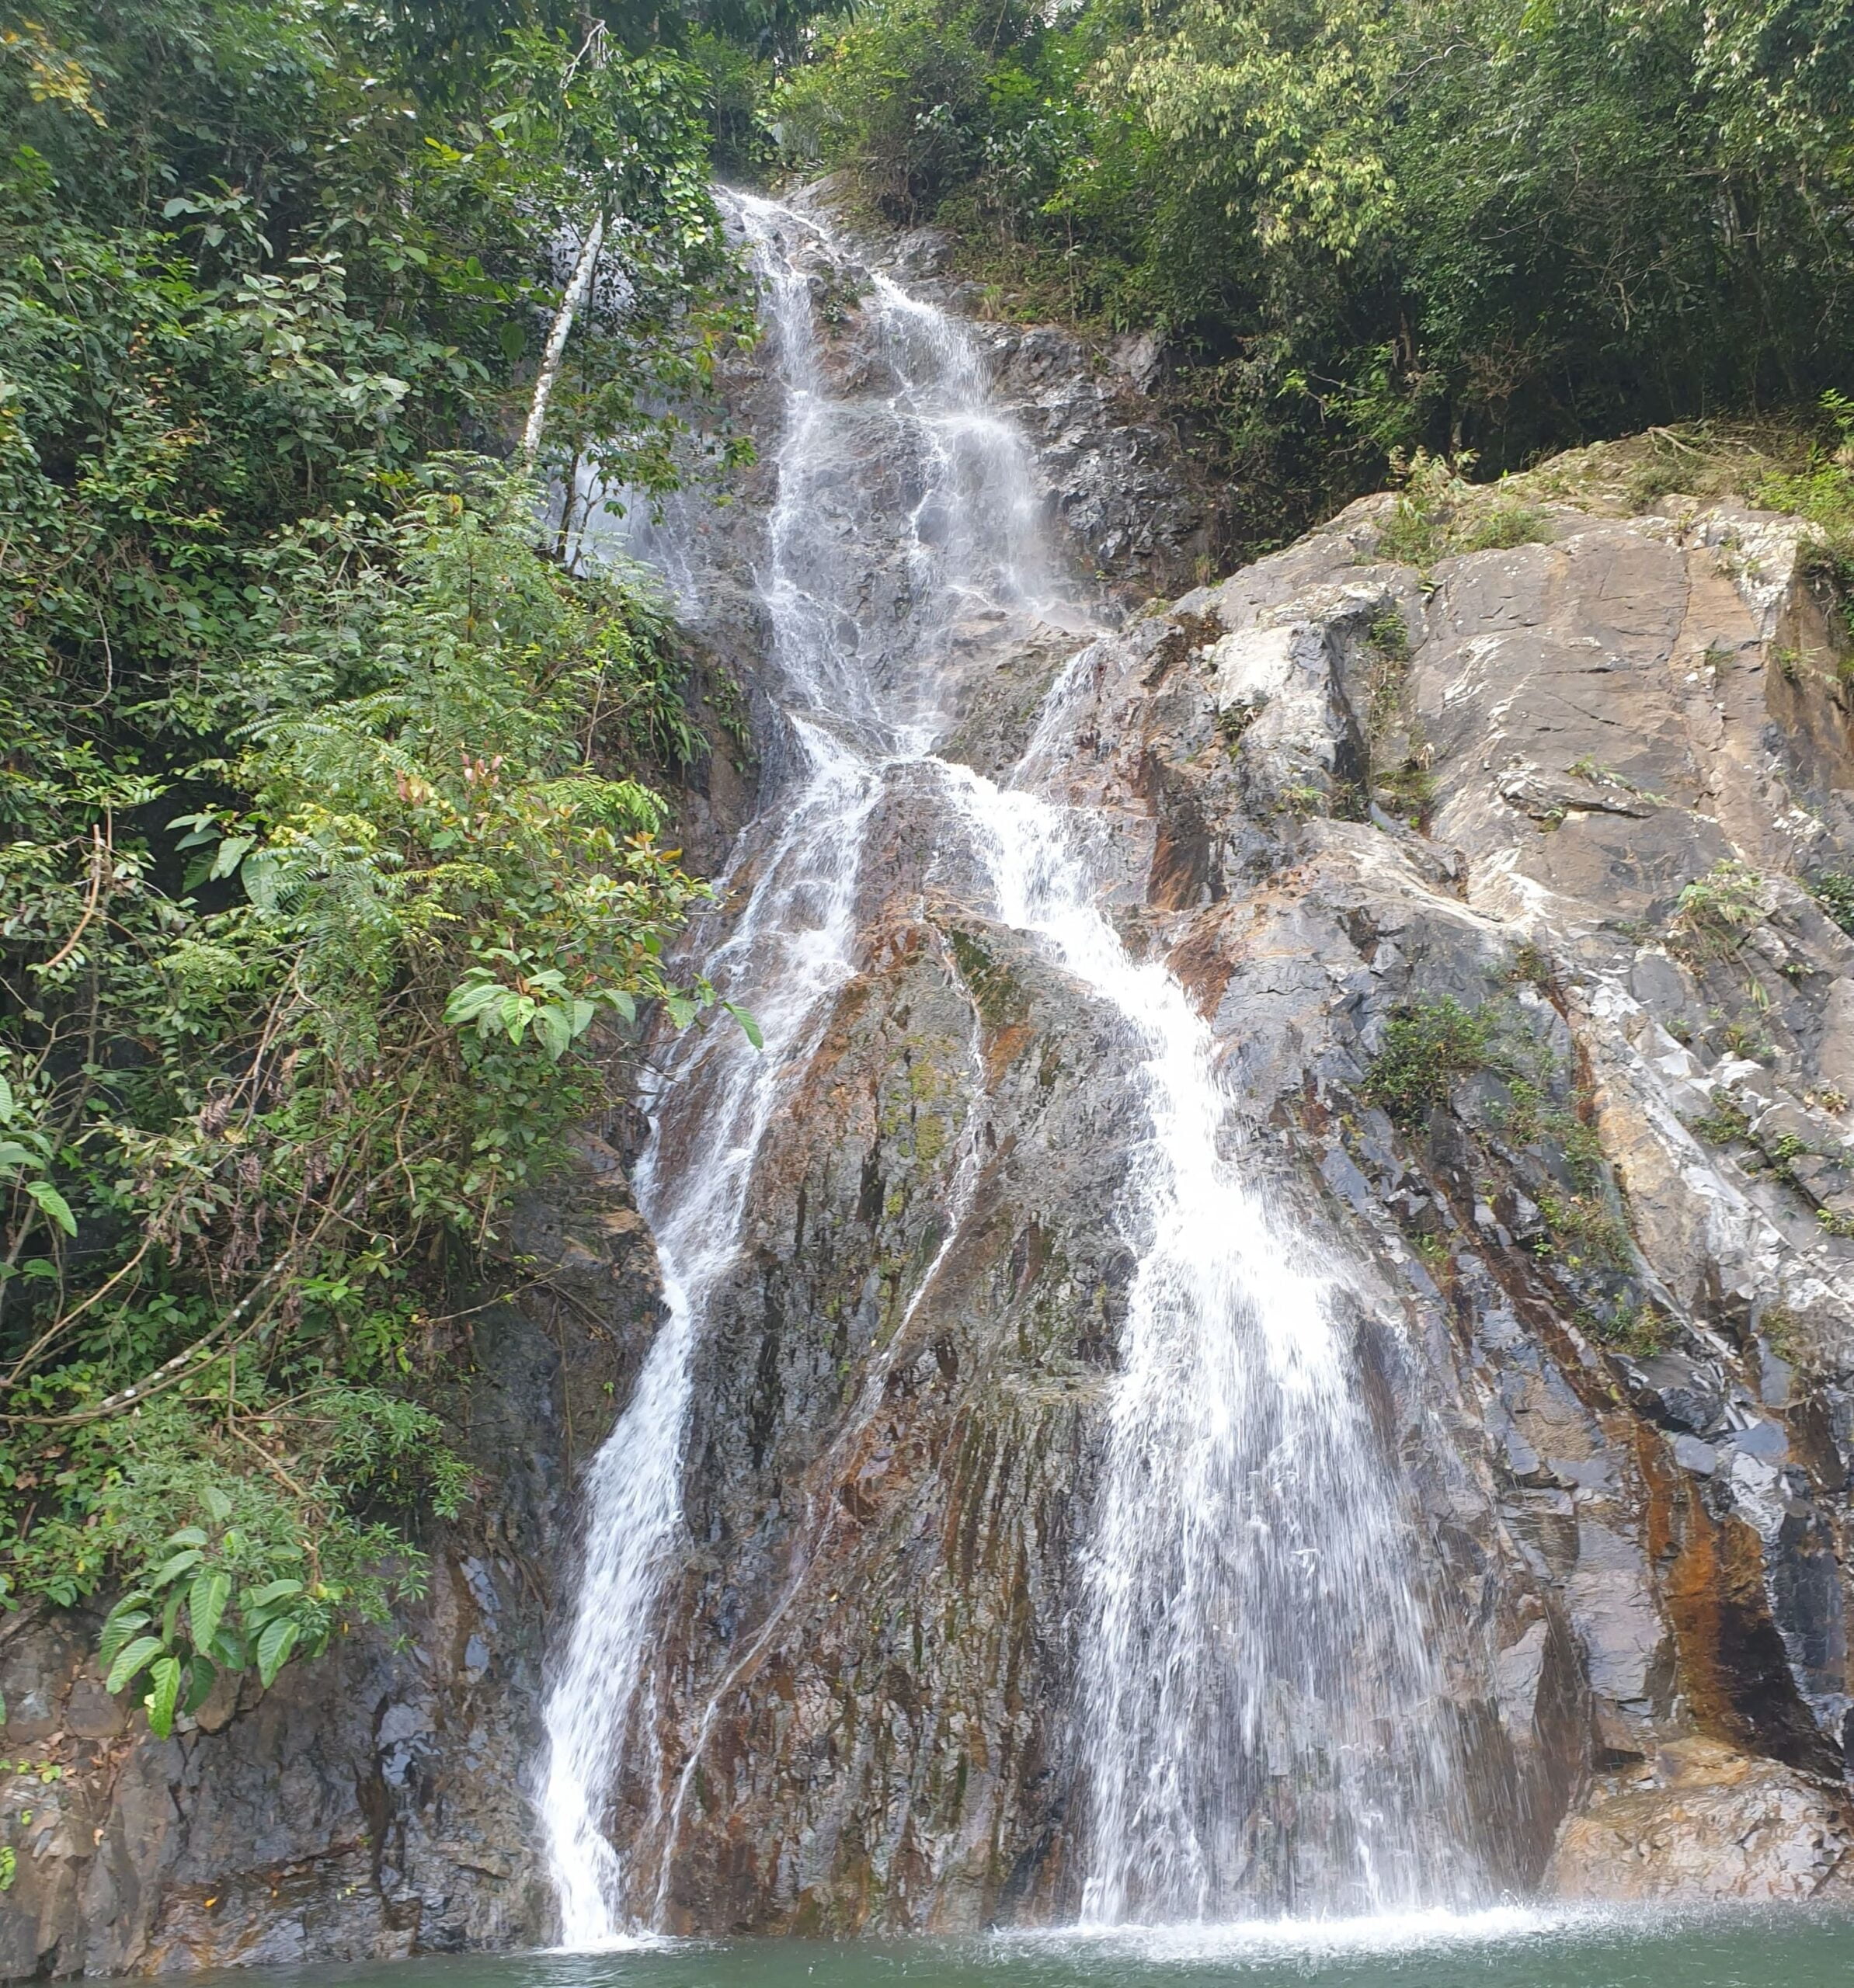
column 325, row 863
column 1367, row 226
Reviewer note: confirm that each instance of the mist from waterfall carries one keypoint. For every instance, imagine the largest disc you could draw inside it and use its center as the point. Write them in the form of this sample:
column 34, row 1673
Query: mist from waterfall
column 1260, row 1723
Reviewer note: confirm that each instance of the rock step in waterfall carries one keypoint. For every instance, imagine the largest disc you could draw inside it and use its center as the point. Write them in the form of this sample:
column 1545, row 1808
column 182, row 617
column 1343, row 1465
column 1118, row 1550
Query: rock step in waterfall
column 1258, row 1719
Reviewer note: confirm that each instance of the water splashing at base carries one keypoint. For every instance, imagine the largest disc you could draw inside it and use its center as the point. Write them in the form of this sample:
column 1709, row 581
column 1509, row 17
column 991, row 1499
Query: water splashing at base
column 1263, row 1725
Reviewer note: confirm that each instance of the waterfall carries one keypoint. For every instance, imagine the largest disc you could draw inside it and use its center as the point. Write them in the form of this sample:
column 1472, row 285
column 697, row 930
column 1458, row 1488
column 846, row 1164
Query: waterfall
column 1262, row 1725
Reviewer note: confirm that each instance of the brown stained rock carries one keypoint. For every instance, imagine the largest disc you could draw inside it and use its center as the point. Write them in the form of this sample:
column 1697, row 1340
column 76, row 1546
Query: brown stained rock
column 1706, row 1822
column 1734, row 1671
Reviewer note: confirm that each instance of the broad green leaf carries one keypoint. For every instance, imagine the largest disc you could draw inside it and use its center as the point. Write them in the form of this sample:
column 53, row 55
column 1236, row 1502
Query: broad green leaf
column 261, row 874
column 6, row 1099
column 623, row 1003
column 165, row 1678
column 274, row 1646
column 116, row 1631
column 467, row 1002
column 172, row 1570
column 200, row 1677
column 749, row 1027
column 143, row 1650
column 206, row 1605
column 551, row 1025
column 228, row 1650
column 194, row 1535
column 682, row 1009
column 53, row 1204
column 230, row 852
column 13, row 1154
column 218, row 1504
column 272, row 1592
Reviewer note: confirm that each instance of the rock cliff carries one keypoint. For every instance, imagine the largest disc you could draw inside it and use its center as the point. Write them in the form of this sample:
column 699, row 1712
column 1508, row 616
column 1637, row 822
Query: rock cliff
column 1490, row 875
column 1493, row 878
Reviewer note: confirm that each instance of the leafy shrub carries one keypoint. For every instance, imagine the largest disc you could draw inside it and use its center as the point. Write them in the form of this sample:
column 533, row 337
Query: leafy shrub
column 327, row 848
column 900, row 93
column 1715, row 913
column 428, row 895
column 1631, row 1325
column 1586, row 1233
column 1835, row 894
column 1427, row 1046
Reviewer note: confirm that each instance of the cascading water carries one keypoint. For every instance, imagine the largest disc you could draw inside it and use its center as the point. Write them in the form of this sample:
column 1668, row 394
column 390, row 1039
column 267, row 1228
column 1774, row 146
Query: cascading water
column 1261, row 1723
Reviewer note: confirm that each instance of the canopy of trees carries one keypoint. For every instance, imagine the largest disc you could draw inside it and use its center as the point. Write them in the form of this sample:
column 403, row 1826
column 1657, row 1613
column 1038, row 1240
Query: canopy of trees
column 1489, row 225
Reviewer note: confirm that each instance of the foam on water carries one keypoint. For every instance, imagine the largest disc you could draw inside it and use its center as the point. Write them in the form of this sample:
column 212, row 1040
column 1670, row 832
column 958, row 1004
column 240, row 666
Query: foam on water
column 1272, row 1940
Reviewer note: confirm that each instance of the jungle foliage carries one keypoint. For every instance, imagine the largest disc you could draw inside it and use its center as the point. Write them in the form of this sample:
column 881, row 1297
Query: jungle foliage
column 329, row 849
column 1372, row 226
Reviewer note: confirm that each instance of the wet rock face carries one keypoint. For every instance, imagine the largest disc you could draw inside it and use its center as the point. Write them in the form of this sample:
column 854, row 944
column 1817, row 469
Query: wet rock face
column 372, row 1804
column 867, row 1682
column 1617, row 1236
column 1599, row 1282
column 1118, row 496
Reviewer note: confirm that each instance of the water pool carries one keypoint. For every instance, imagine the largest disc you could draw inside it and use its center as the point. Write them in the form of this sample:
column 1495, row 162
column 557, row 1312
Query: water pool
column 1791, row 1948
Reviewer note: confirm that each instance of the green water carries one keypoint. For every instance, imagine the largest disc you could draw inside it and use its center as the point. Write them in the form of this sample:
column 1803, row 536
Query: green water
column 1794, row 1947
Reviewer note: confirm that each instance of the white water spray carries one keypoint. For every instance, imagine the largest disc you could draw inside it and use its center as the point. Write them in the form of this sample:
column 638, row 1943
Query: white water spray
column 1260, row 1717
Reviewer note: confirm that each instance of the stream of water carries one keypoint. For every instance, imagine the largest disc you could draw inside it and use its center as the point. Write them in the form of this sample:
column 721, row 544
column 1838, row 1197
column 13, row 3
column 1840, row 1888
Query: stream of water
column 1258, row 1704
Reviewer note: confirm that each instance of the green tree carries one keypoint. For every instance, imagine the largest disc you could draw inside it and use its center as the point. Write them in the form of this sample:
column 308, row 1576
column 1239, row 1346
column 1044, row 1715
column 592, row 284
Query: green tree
column 330, row 882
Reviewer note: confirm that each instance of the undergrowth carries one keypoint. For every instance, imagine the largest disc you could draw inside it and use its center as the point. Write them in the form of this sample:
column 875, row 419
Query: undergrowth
column 1437, row 513
column 1427, row 1046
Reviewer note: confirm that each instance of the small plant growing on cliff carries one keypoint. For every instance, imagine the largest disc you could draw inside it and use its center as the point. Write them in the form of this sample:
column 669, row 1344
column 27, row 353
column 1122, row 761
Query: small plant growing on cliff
column 1438, row 512
column 1389, row 635
column 1302, row 801
column 725, row 697
column 1234, row 720
column 1531, row 967
column 1585, row 1233
column 1427, row 1046
column 1723, row 1125
column 1780, row 1330
column 1409, row 791
column 1834, row 893
column 1632, row 1325
column 1716, row 913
